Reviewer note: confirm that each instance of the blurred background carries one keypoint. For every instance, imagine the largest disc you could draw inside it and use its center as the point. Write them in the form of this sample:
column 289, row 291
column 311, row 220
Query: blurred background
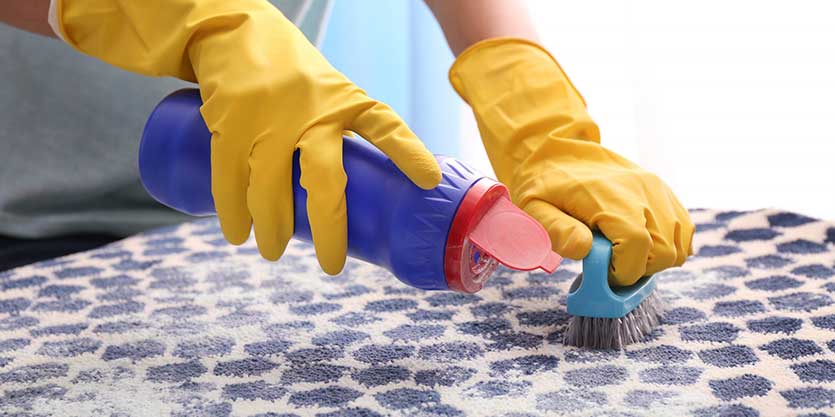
column 731, row 103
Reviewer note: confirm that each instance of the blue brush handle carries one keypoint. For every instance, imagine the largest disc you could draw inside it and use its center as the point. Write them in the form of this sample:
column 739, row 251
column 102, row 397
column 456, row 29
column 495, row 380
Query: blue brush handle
column 391, row 222
column 593, row 297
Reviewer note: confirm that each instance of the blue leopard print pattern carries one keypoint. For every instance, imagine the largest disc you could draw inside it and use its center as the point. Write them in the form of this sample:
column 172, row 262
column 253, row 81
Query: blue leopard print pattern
column 178, row 323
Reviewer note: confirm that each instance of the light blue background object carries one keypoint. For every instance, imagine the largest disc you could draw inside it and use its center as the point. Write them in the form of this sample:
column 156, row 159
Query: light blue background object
column 396, row 52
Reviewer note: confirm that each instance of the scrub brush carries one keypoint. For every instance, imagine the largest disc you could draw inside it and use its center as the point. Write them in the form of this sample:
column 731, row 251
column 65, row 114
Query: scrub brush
column 605, row 317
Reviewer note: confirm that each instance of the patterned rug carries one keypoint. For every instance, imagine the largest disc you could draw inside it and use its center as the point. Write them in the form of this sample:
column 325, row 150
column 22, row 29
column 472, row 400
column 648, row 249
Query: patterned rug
column 177, row 322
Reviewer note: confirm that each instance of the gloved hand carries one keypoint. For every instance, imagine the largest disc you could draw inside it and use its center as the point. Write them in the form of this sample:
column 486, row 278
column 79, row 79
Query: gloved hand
column 545, row 147
column 266, row 92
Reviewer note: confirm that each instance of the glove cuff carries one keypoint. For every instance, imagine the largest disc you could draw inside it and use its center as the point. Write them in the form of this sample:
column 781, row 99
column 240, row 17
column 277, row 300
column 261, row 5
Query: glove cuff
column 520, row 97
column 155, row 37
column 54, row 21
column 498, row 60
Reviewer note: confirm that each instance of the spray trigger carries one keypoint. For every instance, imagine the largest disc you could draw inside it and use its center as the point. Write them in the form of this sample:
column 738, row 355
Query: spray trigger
column 514, row 238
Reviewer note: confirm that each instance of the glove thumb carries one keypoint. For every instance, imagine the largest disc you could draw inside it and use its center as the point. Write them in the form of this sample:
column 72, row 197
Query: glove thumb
column 569, row 237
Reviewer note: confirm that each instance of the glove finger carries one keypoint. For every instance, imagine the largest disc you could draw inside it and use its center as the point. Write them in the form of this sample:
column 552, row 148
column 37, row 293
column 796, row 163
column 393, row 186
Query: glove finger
column 569, row 237
column 687, row 230
column 631, row 243
column 663, row 252
column 230, row 179
column 692, row 232
column 381, row 126
column 270, row 196
column 323, row 176
column 682, row 243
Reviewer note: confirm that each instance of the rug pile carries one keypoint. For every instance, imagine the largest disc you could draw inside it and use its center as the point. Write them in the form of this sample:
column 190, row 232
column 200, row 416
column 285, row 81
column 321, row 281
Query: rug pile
column 176, row 322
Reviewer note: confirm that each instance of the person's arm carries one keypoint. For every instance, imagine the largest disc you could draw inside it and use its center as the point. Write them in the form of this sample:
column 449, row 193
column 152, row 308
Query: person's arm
column 466, row 22
column 29, row 15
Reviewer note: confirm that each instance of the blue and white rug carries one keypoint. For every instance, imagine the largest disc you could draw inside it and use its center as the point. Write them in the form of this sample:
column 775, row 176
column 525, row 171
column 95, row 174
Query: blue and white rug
column 177, row 322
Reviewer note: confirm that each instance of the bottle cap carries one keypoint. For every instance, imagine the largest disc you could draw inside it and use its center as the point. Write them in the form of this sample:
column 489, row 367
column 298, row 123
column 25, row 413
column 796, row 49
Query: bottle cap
column 489, row 230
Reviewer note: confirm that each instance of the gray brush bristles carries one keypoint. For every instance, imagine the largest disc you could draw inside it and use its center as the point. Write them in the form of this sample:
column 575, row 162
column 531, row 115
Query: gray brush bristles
column 605, row 333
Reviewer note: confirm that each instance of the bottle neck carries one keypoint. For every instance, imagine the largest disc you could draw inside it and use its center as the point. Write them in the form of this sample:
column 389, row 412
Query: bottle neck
column 466, row 266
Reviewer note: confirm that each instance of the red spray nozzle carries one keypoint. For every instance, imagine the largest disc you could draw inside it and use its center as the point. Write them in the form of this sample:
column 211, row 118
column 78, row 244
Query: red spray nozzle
column 489, row 230
column 514, row 238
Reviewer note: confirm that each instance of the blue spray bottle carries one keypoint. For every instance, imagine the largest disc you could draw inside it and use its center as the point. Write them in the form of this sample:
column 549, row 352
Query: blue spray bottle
column 449, row 238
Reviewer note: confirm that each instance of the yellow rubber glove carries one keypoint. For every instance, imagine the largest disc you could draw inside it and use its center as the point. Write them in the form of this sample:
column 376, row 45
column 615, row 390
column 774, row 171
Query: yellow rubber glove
column 545, row 147
column 267, row 92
